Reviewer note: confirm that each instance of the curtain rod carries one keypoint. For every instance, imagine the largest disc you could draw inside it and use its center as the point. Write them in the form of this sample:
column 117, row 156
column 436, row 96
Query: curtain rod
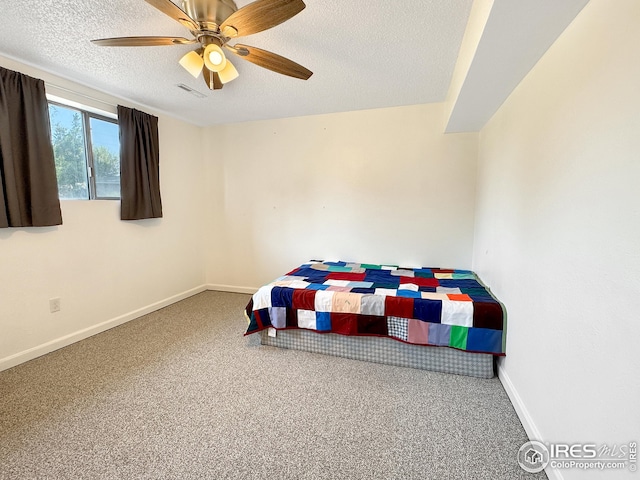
column 79, row 94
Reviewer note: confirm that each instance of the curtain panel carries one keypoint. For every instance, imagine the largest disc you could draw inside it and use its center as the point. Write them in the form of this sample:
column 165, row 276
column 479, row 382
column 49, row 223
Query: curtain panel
column 139, row 165
column 28, row 185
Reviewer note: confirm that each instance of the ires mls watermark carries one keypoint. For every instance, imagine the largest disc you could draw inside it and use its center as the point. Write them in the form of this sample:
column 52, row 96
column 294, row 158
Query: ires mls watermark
column 534, row 456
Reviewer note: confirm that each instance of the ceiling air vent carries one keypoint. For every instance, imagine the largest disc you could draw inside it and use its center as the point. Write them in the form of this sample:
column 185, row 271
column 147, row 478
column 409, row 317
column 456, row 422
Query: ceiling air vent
column 193, row 92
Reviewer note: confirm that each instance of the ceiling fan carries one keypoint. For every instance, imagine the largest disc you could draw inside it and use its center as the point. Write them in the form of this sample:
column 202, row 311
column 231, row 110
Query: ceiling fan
column 213, row 23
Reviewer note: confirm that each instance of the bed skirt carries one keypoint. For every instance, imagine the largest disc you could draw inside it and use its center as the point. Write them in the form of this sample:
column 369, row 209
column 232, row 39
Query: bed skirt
column 384, row 350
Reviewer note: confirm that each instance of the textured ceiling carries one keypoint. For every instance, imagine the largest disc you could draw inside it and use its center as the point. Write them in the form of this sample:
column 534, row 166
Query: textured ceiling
column 364, row 54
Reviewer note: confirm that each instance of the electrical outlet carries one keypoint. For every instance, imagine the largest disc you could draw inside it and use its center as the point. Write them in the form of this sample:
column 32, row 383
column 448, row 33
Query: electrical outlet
column 54, row 305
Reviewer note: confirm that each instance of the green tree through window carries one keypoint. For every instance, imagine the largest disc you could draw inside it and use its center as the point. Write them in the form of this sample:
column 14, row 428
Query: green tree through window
column 87, row 164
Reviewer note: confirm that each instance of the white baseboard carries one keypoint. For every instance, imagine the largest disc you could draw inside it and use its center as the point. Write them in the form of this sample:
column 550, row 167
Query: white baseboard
column 231, row 288
column 525, row 417
column 35, row 352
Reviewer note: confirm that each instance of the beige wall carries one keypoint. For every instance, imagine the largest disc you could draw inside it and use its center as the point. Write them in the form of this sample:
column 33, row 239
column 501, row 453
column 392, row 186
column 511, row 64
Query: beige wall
column 103, row 269
column 558, row 231
column 380, row 185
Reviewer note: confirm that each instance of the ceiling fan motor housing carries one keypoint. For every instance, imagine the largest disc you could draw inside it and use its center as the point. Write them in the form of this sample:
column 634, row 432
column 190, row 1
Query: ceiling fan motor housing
column 209, row 12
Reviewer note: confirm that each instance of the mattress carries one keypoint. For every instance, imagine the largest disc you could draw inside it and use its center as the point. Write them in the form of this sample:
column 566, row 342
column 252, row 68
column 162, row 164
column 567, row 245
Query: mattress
column 445, row 308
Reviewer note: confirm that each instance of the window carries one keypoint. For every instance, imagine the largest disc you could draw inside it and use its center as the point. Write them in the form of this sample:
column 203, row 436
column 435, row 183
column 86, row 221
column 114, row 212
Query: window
column 86, row 148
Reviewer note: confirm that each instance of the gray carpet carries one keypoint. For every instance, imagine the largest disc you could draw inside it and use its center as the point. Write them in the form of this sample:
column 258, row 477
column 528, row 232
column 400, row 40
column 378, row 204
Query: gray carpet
column 180, row 393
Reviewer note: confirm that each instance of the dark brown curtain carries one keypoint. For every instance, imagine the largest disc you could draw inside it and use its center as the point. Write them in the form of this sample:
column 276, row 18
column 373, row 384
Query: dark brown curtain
column 139, row 165
column 28, row 186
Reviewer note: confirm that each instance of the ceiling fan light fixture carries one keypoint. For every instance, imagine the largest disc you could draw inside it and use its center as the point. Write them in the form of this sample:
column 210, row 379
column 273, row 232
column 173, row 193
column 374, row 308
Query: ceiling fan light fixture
column 214, row 58
column 228, row 73
column 192, row 63
column 212, row 24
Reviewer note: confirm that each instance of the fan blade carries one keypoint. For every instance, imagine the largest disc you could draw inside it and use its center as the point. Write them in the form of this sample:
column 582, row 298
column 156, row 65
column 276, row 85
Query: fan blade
column 141, row 41
column 261, row 15
column 211, row 79
column 271, row 61
column 172, row 10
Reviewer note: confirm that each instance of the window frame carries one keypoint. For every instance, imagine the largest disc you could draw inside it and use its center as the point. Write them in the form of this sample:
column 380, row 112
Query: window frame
column 88, row 146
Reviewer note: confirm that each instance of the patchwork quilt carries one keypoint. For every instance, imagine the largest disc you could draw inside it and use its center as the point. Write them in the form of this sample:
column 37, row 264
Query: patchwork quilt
column 421, row 306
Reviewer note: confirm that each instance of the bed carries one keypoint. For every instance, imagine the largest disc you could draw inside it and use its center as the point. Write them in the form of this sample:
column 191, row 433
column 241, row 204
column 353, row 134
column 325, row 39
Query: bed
column 432, row 318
